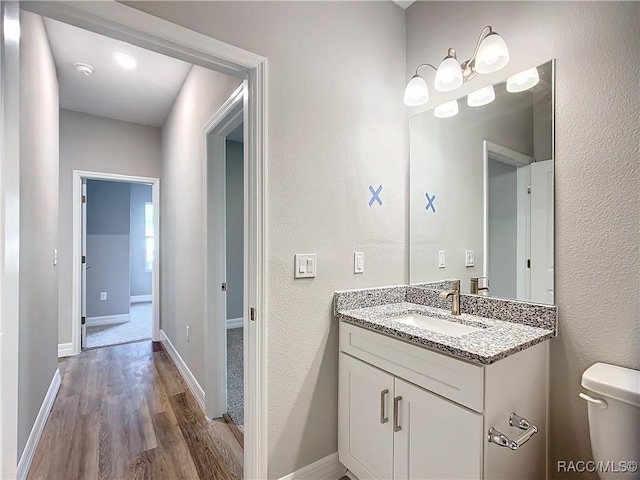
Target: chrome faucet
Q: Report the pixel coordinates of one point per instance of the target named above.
(454, 293)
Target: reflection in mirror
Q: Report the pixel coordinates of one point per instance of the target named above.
(482, 190)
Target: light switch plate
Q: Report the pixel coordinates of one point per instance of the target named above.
(306, 265)
(358, 262)
(469, 258)
(103, 295)
(441, 259)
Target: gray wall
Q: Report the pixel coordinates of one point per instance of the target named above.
(140, 279)
(235, 228)
(182, 216)
(108, 207)
(447, 161)
(38, 325)
(96, 144)
(597, 151)
(336, 125)
(503, 228)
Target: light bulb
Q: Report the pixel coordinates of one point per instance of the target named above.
(417, 92)
(446, 110)
(481, 97)
(493, 54)
(523, 80)
(448, 75)
(125, 60)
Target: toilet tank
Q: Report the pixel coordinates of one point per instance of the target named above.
(614, 424)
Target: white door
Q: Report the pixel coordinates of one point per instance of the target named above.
(542, 232)
(435, 438)
(84, 266)
(365, 411)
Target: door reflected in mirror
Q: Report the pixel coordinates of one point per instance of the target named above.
(482, 192)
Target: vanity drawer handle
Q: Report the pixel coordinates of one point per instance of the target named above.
(396, 408)
(383, 407)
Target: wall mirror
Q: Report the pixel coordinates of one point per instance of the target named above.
(482, 190)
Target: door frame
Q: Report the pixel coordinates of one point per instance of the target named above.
(519, 160)
(9, 234)
(222, 123)
(125, 23)
(76, 249)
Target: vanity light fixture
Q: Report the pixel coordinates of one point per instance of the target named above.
(446, 110)
(491, 54)
(416, 92)
(481, 97)
(523, 80)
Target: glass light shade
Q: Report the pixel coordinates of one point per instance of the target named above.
(417, 92)
(448, 75)
(523, 80)
(492, 55)
(446, 110)
(481, 97)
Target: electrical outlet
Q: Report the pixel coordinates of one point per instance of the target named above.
(188, 333)
(441, 259)
(358, 262)
(103, 295)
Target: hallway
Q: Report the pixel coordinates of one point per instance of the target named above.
(124, 412)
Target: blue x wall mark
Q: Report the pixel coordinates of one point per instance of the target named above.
(430, 204)
(375, 195)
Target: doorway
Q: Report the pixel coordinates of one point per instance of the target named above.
(225, 218)
(125, 23)
(234, 248)
(119, 239)
(507, 222)
(106, 309)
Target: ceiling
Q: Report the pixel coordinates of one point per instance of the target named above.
(143, 94)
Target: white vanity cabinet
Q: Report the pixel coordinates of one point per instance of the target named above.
(407, 412)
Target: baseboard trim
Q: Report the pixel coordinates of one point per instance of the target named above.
(38, 426)
(235, 323)
(140, 298)
(65, 350)
(188, 377)
(108, 320)
(327, 468)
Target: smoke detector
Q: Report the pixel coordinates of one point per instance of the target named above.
(84, 68)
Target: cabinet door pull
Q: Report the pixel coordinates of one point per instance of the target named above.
(396, 408)
(383, 406)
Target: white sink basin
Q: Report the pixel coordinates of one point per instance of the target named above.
(437, 325)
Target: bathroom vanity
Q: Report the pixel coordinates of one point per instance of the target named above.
(424, 393)
(420, 402)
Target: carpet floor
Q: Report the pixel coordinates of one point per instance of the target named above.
(138, 328)
(235, 377)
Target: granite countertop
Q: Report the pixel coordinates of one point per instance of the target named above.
(497, 339)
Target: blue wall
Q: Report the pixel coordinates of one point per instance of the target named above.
(108, 206)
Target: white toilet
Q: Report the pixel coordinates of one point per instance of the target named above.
(614, 418)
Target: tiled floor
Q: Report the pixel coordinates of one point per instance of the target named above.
(140, 327)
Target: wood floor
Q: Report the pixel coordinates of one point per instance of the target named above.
(124, 412)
